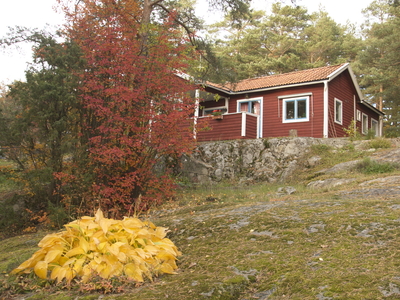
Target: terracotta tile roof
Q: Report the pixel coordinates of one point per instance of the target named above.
(296, 77)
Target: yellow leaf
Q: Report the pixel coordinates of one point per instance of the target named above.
(150, 224)
(52, 255)
(83, 243)
(152, 250)
(49, 240)
(114, 248)
(102, 246)
(86, 271)
(141, 241)
(121, 257)
(167, 268)
(61, 274)
(144, 234)
(104, 224)
(41, 269)
(69, 262)
(140, 252)
(98, 216)
(55, 272)
(69, 275)
(97, 259)
(78, 266)
(62, 260)
(74, 226)
(75, 251)
(160, 232)
(131, 224)
(133, 272)
(31, 262)
(104, 270)
(164, 255)
(26, 264)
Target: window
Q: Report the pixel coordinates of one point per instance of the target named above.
(251, 106)
(209, 111)
(338, 111)
(358, 115)
(364, 124)
(295, 109)
(375, 126)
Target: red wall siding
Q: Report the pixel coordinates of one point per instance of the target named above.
(229, 128)
(251, 127)
(272, 111)
(341, 88)
(369, 113)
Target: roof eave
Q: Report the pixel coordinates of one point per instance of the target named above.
(372, 107)
(267, 88)
(218, 89)
(338, 71)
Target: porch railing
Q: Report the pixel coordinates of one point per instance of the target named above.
(231, 126)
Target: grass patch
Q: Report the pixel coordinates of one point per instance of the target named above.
(290, 248)
(369, 166)
(248, 242)
(380, 143)
(328, 157)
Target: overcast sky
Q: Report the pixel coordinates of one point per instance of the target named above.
(36, 14)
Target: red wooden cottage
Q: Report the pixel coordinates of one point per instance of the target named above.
(319, 103)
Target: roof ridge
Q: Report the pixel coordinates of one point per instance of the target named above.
(268, 81)
(291, 72)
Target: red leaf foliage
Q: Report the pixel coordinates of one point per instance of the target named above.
(136, 100)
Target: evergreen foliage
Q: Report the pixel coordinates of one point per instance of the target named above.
(378, 62)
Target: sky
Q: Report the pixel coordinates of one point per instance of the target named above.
(36, 14)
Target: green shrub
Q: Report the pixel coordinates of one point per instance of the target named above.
(369, 166)
(392, 132)
(370, 134)
(352, 131)
(380, 143)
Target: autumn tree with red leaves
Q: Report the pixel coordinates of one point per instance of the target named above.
(136, 99)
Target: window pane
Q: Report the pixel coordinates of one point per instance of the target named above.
(375, 127)
(256, 107)
(338, 110)
(301, 109)
(365, 123)
(289, 110)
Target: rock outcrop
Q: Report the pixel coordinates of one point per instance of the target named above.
(247, 161)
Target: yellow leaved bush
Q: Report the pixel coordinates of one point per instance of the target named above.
(97, 246)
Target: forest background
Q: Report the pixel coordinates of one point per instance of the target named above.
(94, 125)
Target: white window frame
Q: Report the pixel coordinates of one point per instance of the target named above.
(295, 100)
(239, 102)
(260, 116)
(358, 115)
(373, 121)
(364, 126)
(340, 119)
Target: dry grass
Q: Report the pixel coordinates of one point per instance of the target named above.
(250, 243)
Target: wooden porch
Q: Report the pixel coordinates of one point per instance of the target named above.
(231, 126)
